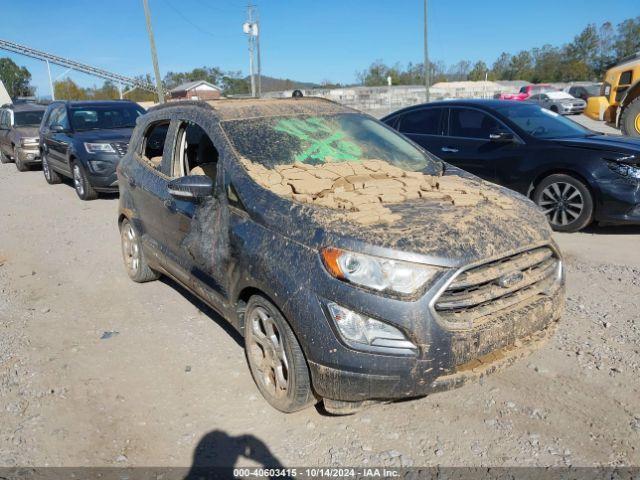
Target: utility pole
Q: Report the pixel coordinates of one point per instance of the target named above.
(53, 93)
(427, 69)
(258, 54)
(154, 54)
(252, 29)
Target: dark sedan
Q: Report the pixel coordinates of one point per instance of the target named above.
(574, 174)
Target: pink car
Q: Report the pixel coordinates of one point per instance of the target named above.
(526, 91)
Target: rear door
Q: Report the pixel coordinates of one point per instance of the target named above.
(425, 126)
(468, 145)
(147, 182)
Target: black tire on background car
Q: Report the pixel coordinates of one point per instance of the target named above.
(134, 262)
(276, 361)
(81, 183)
(630, 119)
(50, 175)
(554, 109)
(19, 165)
(566, 201)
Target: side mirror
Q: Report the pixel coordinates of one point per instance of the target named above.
(56, 128)
(502, 137)
(191, 187)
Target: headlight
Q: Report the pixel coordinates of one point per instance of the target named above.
(364, 330)
(29, 141)
(626, 170)
(377, 273)
(99, 148)
(98, 166)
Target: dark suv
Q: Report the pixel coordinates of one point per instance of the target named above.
(85, 141)
(356, 265)
(19, 134)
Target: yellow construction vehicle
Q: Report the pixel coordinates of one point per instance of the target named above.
(619, 100)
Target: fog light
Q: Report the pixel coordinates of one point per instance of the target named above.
(364, 330)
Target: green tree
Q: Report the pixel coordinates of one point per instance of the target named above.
(479, 71)
(548, 62)
(67, 89)
(15, 79)
(627, 39)
(500, 68)
(521, 67)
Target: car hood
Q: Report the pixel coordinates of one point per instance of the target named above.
(448, 234)
(105, 135)
(25, 132)
(607, 143)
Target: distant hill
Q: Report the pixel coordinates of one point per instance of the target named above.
(272, 84)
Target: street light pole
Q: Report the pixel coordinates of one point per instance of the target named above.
(427, 69)
(53, 93)
(154, 54)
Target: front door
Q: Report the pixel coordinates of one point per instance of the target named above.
(56, 140)
(468, 144)
(195, 230)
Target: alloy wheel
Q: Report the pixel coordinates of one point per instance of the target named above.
(267, 353)
(130, 249)
(78, 181)
(562, 203)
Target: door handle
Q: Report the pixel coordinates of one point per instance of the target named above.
(449, 149)
(170, 205)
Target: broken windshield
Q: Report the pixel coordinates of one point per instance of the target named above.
(316, 140)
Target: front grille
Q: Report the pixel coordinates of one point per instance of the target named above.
(477, 293)
(120, 148)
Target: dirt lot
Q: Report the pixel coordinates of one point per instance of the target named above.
(74, 392)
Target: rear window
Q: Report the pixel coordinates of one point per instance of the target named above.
(316, 140)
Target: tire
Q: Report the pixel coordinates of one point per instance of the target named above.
(630, 119)
(81, 184)
(4, 158)
(50, 175)
(554, 109)
(566, 201)
(275, 358)
(134, 262)
(19, 165)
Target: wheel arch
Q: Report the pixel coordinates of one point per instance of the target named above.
(242, 299)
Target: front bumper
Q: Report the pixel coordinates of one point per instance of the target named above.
(619, 201)
(455, 359)
(571, 109)
(105, 180)
(29, 155)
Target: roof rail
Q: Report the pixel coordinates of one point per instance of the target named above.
(185, 103)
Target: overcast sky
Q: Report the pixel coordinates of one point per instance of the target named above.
(307, 40)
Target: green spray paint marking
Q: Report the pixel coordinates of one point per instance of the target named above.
(324, 141)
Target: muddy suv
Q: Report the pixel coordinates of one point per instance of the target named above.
(356, 266)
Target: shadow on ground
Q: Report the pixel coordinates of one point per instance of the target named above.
(217, 453)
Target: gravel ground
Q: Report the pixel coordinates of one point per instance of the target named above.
(98, 371)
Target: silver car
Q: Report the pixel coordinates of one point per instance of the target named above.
(559, 102)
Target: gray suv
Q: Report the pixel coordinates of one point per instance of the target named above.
(19, 134)
(356, 265)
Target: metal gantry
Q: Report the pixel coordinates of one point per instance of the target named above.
(77, 66)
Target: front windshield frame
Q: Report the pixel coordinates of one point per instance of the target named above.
(17, 115)
(416, 159)
(567, 128)
(98, 109)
